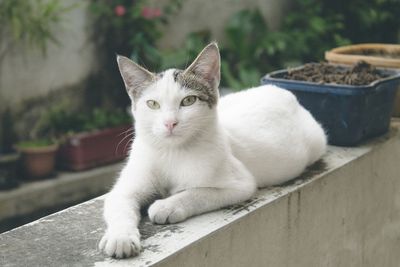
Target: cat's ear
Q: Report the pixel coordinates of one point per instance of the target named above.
(136, 78)
(207, 65)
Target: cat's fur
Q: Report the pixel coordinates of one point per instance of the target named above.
(204, 156)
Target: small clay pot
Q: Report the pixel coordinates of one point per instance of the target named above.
(38, 162)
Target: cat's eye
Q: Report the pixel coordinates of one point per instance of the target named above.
(153, 104)
(188, 101)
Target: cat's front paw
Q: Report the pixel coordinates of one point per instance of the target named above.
(120, 244)
(166, 211)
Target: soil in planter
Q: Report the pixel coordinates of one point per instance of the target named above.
(360, 74)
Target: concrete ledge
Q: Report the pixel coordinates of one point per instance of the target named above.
(343, 211)
(43, 197)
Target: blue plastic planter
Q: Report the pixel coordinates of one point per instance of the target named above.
(349, 114)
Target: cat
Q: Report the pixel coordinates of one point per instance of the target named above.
(199, 152)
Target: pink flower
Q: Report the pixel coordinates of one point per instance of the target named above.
(151, 13)
(157, 13)
(119, 10)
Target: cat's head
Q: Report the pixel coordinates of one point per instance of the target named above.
(174, 106)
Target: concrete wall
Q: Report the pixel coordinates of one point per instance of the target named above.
(27, 73)
(349, 217)
(342, 211)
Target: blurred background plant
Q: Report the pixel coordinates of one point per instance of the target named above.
(309, 29)
(130, 28)
(248, 48)
(60, 122)
(27, 25)
(30, 23)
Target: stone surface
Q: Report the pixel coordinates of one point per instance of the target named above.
(343, 211)
(43, 196)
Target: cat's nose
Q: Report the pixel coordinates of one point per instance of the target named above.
(170, 124)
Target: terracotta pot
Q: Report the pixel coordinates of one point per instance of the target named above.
(378, 55)
(87, 150)
(38, 162)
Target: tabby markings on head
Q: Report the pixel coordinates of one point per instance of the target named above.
(191, 81)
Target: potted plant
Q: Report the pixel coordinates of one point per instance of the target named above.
(378, 55)
(352, 103)
(38, 157)
(91, 139)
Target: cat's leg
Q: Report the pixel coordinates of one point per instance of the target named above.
(122, 213)
(234, 183)
(195, 201)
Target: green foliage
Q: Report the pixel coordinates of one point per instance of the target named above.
(315, 26)
(36, 143)
(59, 121)
(100, 119)
(252, 50)
(31, 22)
(245, 35)
(180, 58)
(131, 28)
(307, 31)
(366, 20)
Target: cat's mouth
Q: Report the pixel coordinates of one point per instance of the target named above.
(171, 135)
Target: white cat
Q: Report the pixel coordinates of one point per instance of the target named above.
(200, 153)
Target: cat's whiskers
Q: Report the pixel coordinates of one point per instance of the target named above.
(129, 135)
(124, 132)
(128, 144)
